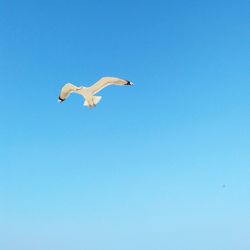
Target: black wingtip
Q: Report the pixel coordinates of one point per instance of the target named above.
(129, 83)
(60, 99)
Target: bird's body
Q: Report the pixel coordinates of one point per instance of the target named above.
(88, 93)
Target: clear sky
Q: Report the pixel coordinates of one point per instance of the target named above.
(161, 165)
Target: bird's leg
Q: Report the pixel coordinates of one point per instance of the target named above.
(93, 102)
(90, 100)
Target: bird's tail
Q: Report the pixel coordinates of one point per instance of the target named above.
(96, 100)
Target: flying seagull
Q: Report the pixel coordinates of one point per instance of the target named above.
(89, 92)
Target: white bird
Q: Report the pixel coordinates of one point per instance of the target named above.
(89, 92)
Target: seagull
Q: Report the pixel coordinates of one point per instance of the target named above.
(88, 93)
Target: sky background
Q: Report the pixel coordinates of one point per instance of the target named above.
(164, 164)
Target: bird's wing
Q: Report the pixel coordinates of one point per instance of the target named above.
(66, 90)
(106, 81)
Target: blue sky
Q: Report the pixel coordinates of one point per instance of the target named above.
(161, 165)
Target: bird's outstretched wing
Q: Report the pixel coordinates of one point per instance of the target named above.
(106, 81)
(66, 90)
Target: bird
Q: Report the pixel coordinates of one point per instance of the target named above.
(88, 93)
